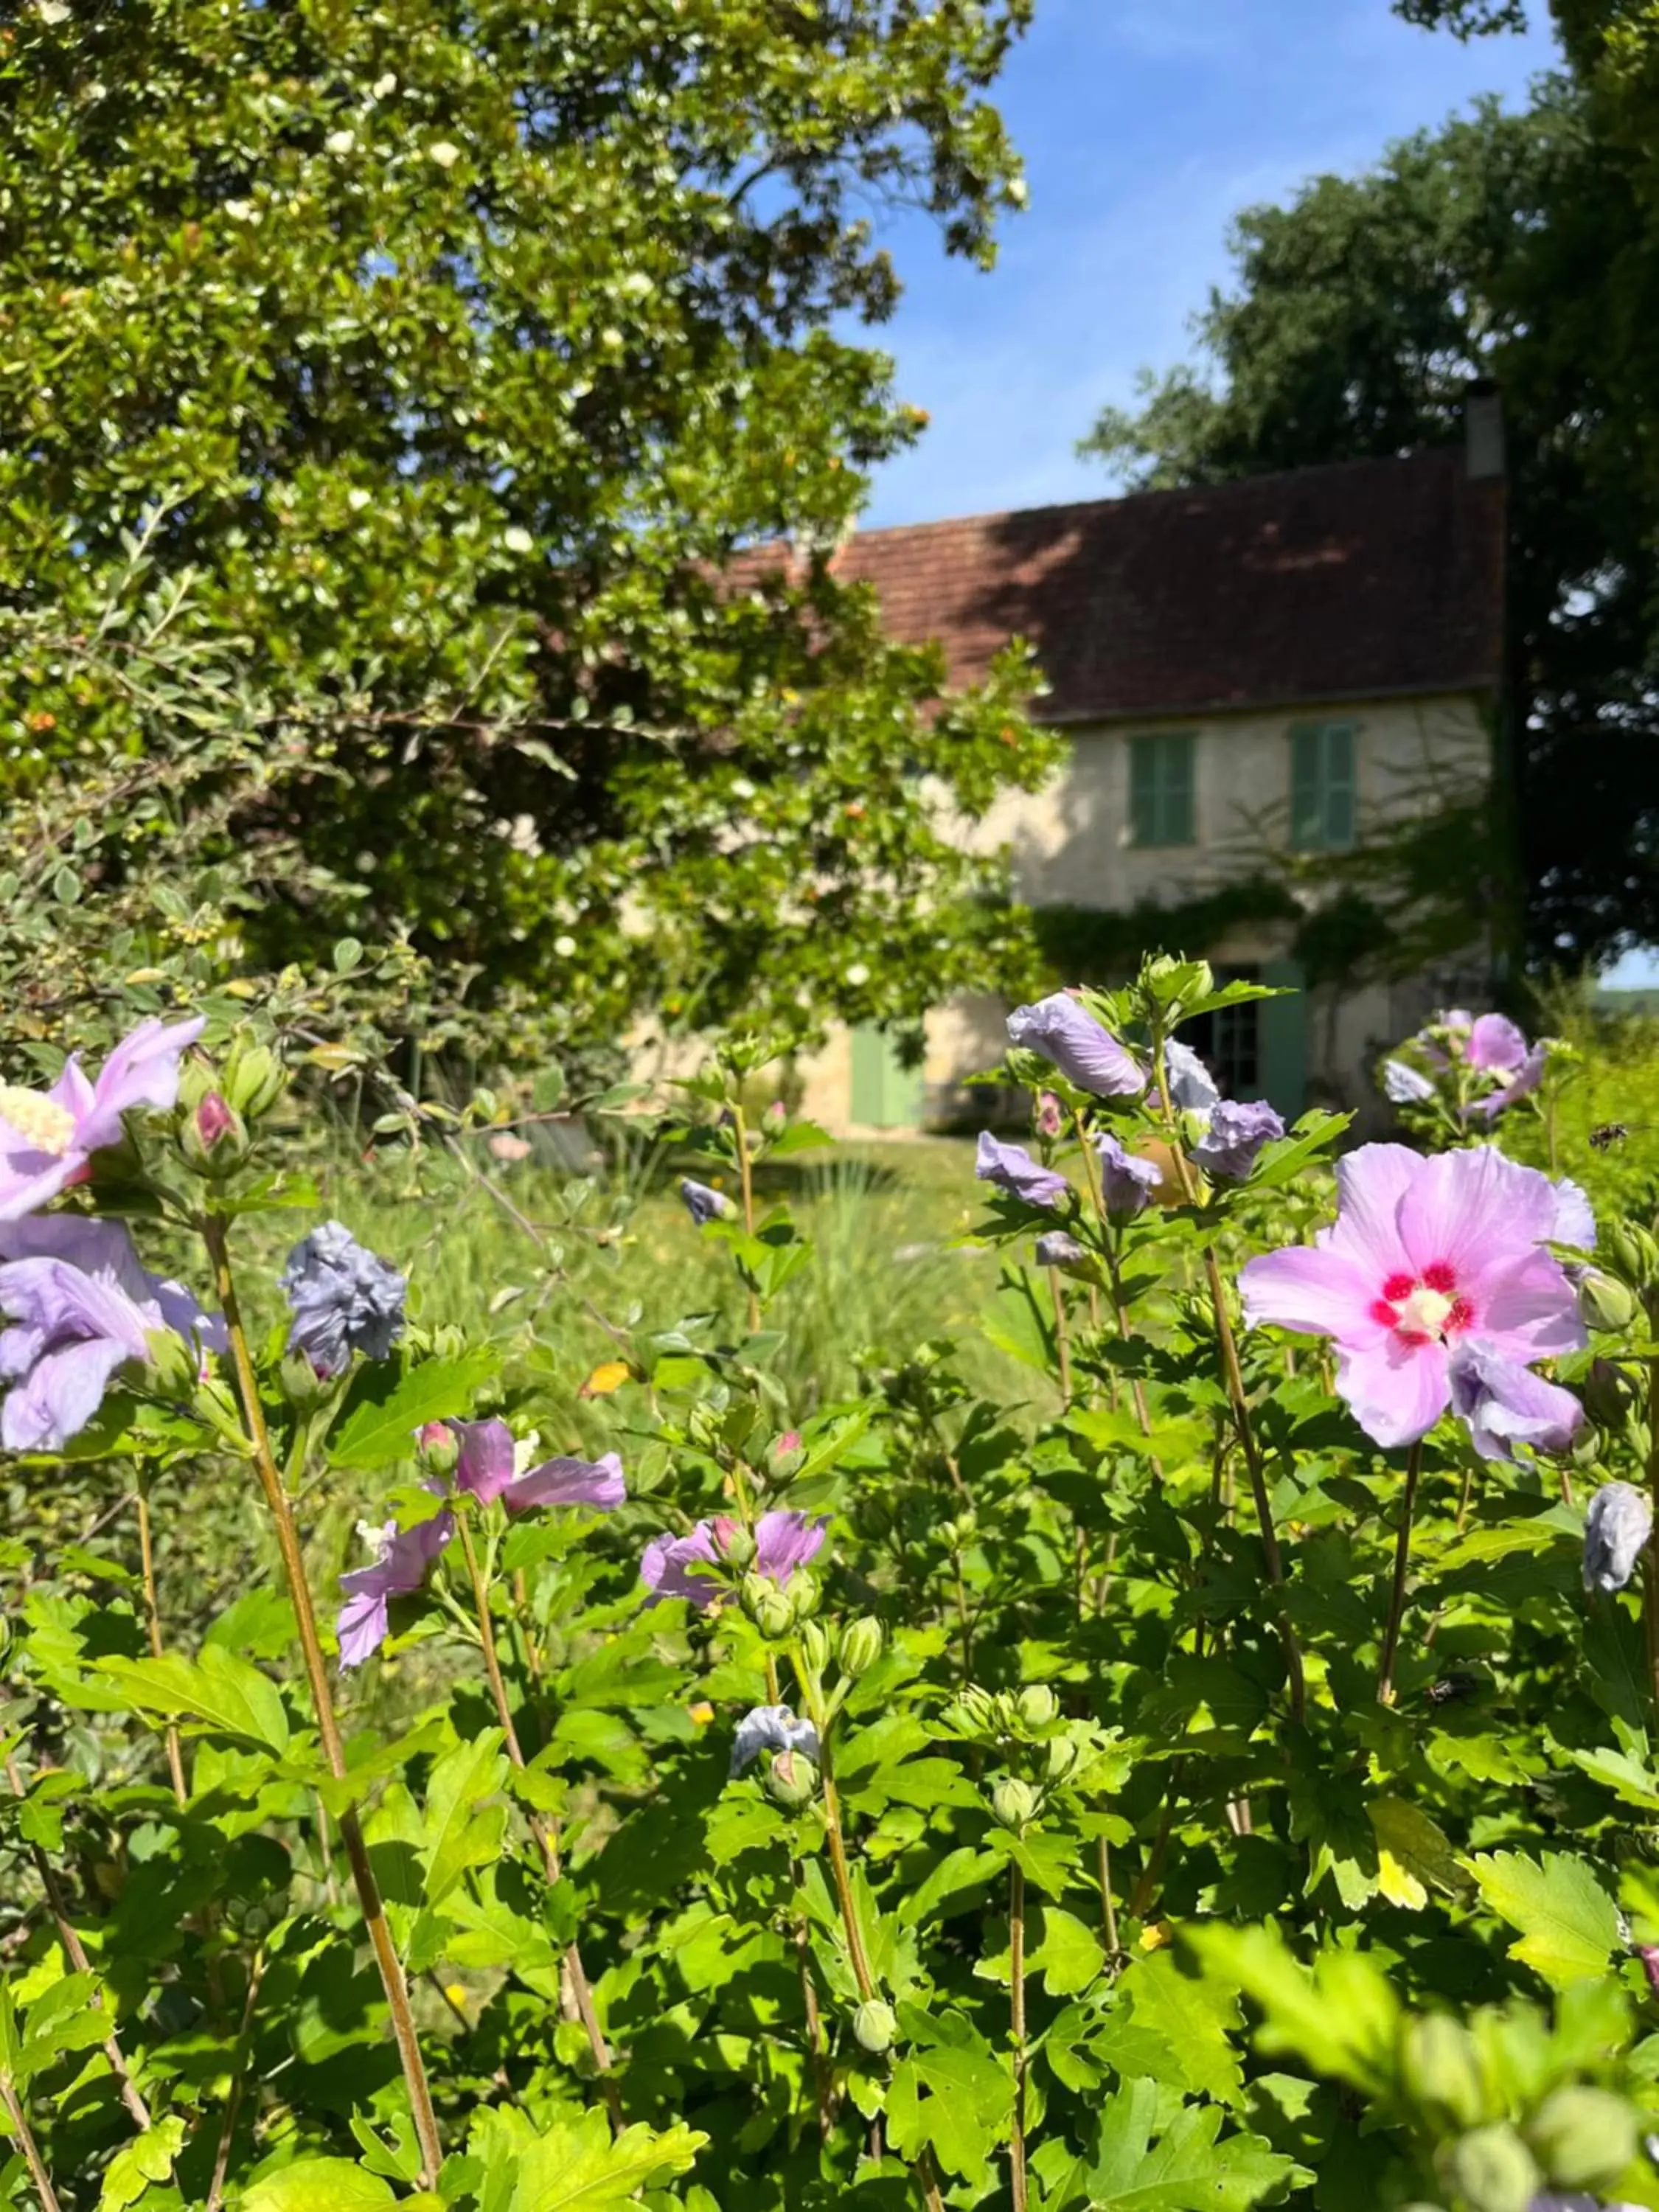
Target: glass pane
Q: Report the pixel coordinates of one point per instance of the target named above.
(1307, 789)
(1143, 791)
(1338, 787)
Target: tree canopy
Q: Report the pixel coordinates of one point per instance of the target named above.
(443, 356)
(1516, 248)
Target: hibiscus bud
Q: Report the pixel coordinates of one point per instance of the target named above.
(874, 2027)
(253, 1079)
(803, 1593)
(302, 1386)
(860, 1646)
(1013, 1804)
(213, 1138)
(786, 1457)
(775, 1118)
(174, 1367)
(1065, 1757)
(740, 1549)
(791, 1781)
(438, 1447)
(1605, 1303)
(814, 1646)
(973, 1711)
(1494, 2170)
(1633, 1253)
(768, 1607)
(1440, 2067)
(1649, 1954)
(1583, 2137)
(1050, 1116)
(1604, 1395)
(1036, 1705)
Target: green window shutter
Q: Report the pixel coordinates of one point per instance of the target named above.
(1307, 809)
(885, 1094)
(1322, 783)
(1284, 1038)
(1338, 787)
(1161, 789)
(1143, 791)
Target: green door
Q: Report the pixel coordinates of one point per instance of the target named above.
(884, 1094)
(1284, 1035)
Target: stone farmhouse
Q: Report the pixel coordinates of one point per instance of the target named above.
(1291, 665)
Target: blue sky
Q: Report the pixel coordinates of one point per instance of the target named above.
(1145, 125)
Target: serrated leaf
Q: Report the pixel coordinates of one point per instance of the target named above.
(579, 2168)
(319, 2184)
(1414, 1854)
(1195, 2015)
(1068, 1955)
(135, 2165)
(1187, 2170)
(380, 1427)
(458, 1835)
(1569, 1924)
(958, 2100)
(219, 1691)
(1630, 1778)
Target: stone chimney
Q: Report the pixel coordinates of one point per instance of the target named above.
(1483, 430)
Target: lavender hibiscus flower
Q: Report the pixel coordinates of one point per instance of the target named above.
(1126, 1182)
(672, 1565)
(704, 1205)
(1237, 1132)
(1012, 1169)
(400, 1567)
(1068, 1036)
(1506, 1404)
(1617, 1526)
(47, 1138)
(487, 1468)
(771, 1728)
(82, 1306)
(1192, 1087)
(343, 1300)
(1424, 1252)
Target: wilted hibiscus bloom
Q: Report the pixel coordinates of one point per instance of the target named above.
(487, 1468)
(343, 1299)
(771, 1728)
(1506, 1404)
(47, 1138)
(1423, 1254)
(673, 1565)
(1068, 1036)
(1012, 1169)
(81, 1306)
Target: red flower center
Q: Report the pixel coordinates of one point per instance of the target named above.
(1425, 1309)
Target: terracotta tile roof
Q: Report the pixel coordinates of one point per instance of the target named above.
(1361, 580)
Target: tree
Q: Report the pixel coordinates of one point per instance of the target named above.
(1508, 248)
(444, 355)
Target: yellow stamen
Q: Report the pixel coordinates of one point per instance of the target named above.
(1426, 1311)
(41, 1122)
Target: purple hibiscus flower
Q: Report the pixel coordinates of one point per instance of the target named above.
(1012, 1169)
(704, 1205)
(1237, 1132)
(343, 1299)
(81, 1305)
(1506, 1404)
(1404, 1085)
(1126, 1182)
(48, 1137)
(487, 1468)
(1424, 1252)
(1192, 1087)
(1617, 1526)
(1521, 1084)
(1068, 1036)
(783, 1541)
(771, 1728)
(403, 1558)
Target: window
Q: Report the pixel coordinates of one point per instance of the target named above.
(1161, 789)
(1321, 787)
(1229, 1041)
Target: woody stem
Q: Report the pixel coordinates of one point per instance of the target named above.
(214, 1236)
(546, 1836)
(30, 2149)
(1401, 1560)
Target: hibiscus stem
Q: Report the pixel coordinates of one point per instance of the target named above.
(1403, 1551)
(1062, 1340)
(152, 1615)
(30, 2149)
(1233, 1376)
(1016, 2020)
(75, 1951)
(545, 1835)
(214, 1236)
(746, 1179)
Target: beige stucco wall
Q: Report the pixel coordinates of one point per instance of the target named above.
(1070, 845)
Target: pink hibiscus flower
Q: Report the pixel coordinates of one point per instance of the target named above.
(46, 1137)
(1423, 1254)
